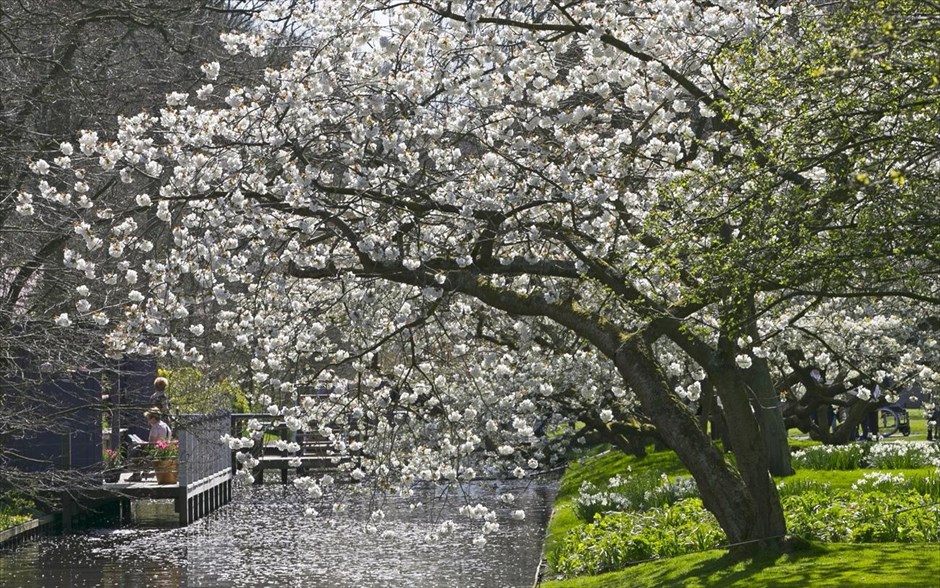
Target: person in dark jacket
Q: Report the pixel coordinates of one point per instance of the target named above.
(159, 399)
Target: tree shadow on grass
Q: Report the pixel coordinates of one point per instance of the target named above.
(802, 564)
(731, 569)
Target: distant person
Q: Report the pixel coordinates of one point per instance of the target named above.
(159, 399)
(870, 420)
(820, 380)
(933, 423)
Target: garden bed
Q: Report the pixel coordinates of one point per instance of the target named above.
(615, 512)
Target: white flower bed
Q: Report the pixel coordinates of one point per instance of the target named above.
(903, 454)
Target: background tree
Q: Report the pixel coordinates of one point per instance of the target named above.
(846, 257)
(66, 66)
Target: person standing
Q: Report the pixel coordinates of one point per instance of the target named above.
(159, 399)
(820, 380)
(933, 423)
(870, 421)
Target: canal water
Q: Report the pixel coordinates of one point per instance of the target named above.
(264, 538)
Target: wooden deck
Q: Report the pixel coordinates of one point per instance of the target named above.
(147, 487)
(191, 502)
(204, 478)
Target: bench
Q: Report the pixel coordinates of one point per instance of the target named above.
(140, 464)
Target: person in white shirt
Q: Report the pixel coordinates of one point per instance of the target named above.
(159, 431)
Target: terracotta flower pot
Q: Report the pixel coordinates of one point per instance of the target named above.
(167, 471)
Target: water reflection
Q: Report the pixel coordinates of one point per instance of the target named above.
(264, 539)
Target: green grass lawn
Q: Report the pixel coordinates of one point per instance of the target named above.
(918, 424)
(893, 565)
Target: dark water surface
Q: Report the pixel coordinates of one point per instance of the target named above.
(263, 539)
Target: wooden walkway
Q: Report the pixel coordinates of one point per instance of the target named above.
(309, 464)
(316, 454)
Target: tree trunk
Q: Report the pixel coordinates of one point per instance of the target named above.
(845, 432)
(747, 512)
(748, 442)
(765, 401)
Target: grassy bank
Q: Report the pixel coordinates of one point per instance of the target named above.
(824, 506)
(597, 466)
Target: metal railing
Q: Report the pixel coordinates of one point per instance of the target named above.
(201, 452)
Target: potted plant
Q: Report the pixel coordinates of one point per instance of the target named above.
(165, 455)
(113, 463)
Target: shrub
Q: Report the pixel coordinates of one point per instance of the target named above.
(906, 454)
(817, 515)
(591, 502)
(898, 455)
(863, 517)
(903, 517)
(926, 485)
(830, 457)
(670, 492)
(880, 482)
(923, 484)
(620, 539)
(15, 509)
